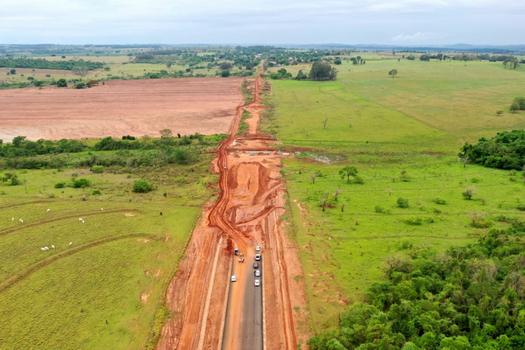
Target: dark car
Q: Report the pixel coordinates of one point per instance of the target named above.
(256, 265)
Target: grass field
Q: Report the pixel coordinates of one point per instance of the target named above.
(105, 276)
(403, 136)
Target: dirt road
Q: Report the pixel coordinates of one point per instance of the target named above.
(209, 312)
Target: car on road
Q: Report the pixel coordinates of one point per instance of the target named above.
(258, 248)
(234, 278)
(257, 257)
(257, 273)
(257, 282)
(256, 265)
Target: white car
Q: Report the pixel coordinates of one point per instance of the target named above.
(257, 273)
(234, 278)
(257, 257)
(258, 248)
(257, 282)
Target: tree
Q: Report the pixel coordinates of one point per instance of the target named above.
(338, 61)
(322, 71)
(225, 73)
(348, 172)
(393, 73)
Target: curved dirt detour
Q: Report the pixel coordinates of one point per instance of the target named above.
(207, 310)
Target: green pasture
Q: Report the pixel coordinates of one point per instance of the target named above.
(403, 135)
(102, 285)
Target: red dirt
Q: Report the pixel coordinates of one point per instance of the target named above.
(248, 211)
(121, 107)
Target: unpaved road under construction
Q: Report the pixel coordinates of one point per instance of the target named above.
(207, 311)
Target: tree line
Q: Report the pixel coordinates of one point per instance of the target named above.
(40, 63)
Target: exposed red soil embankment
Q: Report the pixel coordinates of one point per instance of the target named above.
(208, 312)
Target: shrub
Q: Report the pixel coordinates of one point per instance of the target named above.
(439, 201)
(521, 207)
(414, 221)
(402, 203)
(60, 185)
(80, 85)
(142, 186)
(468, 194)
(62, 83)
(80, 183)
(518, 104)
(97, 169)
(225, 73)
(478, 221)
(96, 193)
(404, 177)
(11, 179)
(380, 210)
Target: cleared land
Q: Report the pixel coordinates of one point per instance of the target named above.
(403, 136)
(140, 107)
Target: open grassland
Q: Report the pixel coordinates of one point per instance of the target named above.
(403, 136)
(114, 253)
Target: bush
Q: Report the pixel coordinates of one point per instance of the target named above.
(518, 104)
(80, 85)
(97, 169)
(281, 74)
(380, 210)
(439, 201)
(142, 186)
(96, 193)
(62, 83)
(60, 185)
(402, 203)
(414, 221)
(468, 194)
(80, 183)
(11, 179)
(478, 221)
(225, 73)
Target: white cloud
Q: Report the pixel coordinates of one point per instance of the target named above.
(417, 38)
(265, 21)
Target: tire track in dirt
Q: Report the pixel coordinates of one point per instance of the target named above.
(246, 212)
(10, 282)
(65, 217)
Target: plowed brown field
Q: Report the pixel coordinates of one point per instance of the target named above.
(121, 107)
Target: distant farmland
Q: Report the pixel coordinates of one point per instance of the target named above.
(142, 107)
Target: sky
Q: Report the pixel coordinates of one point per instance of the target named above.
(393, 22)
